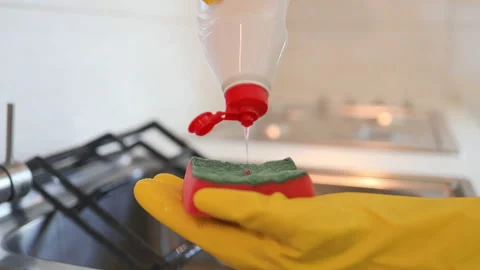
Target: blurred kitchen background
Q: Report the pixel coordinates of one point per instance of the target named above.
(78, 68)
(374, 96)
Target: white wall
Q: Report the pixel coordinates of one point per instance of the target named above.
(390, 49)
(424, 51)
(466, 53)
(77, 68)
(74, 73)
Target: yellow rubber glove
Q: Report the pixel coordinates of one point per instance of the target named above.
(338, 231)
(211, 2)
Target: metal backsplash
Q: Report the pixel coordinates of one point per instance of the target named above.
(375, 125)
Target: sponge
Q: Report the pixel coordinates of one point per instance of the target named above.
(274, 176)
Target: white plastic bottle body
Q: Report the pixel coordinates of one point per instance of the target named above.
(243, 40)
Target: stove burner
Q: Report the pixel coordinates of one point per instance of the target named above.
(90, 152)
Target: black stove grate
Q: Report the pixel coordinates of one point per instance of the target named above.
(89, 152)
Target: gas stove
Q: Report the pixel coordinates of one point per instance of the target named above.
(77, 209)
(81, 212)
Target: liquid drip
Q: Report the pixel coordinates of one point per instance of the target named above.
(247, 135)
(247, 172)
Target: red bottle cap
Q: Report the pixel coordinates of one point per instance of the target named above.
(245, 103)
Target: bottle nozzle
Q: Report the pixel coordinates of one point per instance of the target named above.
(247, 119)
(245, 103)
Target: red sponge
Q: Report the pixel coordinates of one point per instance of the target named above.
(275, 176)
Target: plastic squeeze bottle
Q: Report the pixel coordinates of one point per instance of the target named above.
(243, 41)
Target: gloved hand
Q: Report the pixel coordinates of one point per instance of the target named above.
(338, 231)
(210, 2)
